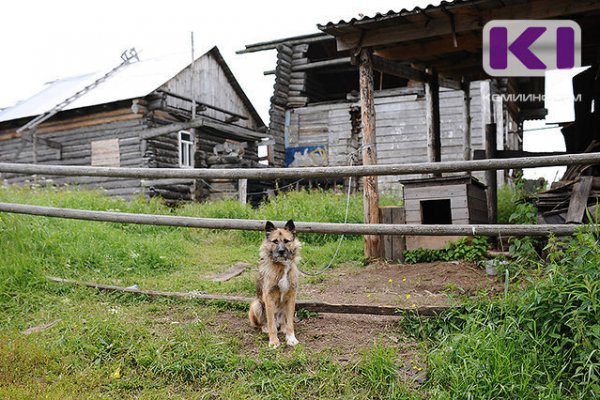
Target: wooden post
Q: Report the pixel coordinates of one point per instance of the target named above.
(466, 85)
(393, 246)
(369, 153)
(491, 178)
(432, 100)
(243, 191)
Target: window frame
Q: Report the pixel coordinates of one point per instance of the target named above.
(189, 146)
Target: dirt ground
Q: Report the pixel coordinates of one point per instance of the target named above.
(427, 284)
(406, 285)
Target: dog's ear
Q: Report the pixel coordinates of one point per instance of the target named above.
(290, 226)
(269, 227)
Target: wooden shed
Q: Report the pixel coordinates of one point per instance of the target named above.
(140, 115)
(316, 112)
(446, 200)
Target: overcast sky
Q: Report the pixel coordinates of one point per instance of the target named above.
(44, 40)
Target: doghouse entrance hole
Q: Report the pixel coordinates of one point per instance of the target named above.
(436, 212)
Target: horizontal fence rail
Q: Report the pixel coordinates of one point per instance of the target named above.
(304, 227)
(315, 306)
(307, 172)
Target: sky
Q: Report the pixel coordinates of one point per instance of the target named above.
(41, 41)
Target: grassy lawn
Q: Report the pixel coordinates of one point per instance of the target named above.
(539, 341)
(121, 346)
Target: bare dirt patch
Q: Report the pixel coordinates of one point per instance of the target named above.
(405, 285)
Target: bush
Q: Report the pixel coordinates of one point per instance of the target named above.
(466, 249)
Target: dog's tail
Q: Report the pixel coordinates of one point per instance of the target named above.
(256, 314)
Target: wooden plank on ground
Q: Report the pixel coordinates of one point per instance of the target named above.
(301, 304)
(235, 270)
(579, 198)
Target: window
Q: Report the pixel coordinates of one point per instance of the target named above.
(265, 152)
(436, 212)
(186, 149)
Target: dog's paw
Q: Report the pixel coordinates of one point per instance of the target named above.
(291, 340)
(274, 344)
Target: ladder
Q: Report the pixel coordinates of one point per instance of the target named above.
(27, 131)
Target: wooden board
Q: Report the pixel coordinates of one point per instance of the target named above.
(236, 270)
(579, 198)
(392, 246)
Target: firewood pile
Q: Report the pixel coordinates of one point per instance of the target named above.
(573, 199)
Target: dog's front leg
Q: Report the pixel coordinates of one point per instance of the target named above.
(271, 323)
(290, 309)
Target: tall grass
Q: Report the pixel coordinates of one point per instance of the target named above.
(538, 343)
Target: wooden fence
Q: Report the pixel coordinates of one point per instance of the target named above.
(305, 227)
(310, 172)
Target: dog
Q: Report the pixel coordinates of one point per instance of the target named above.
(275, 304)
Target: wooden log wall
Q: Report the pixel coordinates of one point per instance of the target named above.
(75, 137)
(279, 100)
(400, 127)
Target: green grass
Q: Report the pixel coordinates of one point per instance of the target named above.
(107, 346)
(541, 340)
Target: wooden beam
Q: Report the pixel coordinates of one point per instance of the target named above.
(243, 191)
(503, 154)
(396, 69)
(301, 172)
(491, 178)
(301, 227)
(579, 198)
(416, 51)
(466, 120)
(369, 152)
(235, 130)
(321, 64)
(166, 129)
(315, 306)
(202, 106)
(272, 45)
(468, 21)
(432, 104)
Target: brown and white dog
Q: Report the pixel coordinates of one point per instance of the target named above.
(273, 310)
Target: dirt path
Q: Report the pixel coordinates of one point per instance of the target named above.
(426, 284)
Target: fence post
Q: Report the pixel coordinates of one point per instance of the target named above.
(371, 195)
(491, 177)
(392, 246)
(243, 191)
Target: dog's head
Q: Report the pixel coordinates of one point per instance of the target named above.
(281, 244)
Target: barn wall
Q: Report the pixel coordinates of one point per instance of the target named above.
(400, 129)
(212, 87)
(76, 150)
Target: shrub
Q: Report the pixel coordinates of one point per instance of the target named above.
(467, 249)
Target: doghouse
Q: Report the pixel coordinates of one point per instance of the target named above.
(447, 200)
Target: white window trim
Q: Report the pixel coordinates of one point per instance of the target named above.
(189, 144)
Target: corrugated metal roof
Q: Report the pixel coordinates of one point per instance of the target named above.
(134, 80)
(391, 14)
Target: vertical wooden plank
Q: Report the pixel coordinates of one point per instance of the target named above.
(398, 217)
(467, 121)
(243, 191)
(432, 104)
(369, 153)
(579, 198)
(392, 246)
(491, 178)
